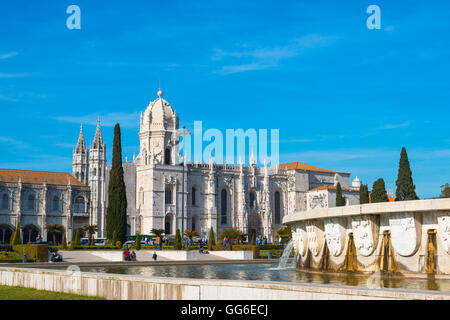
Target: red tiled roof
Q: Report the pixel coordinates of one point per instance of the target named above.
(302, 166)
(331, 188)
(38, 177)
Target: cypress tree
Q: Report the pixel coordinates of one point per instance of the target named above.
(76, 241)
(178, 240)
(16, 238)
(340, 202)
(364, 194)
(405, 186)
(64, 241)
(379, 193)
(137, 243)
(211, 239)
(116, 213)
(253, 240)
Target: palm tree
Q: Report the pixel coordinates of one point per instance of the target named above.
(54, 229)
(190, 233)
(91, 229)
(157, 232)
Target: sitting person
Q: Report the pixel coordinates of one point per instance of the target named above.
(56, 257)
(127, 255)
(133, 256)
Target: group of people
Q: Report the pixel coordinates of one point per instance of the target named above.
(129, 256)
(226, 243)
(261, 241)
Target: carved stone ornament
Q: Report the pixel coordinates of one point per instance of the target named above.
(335, 236)
(315, 238)
(405, 233)
(300, 240)
(365, 234)
(317, 201)
(444, 231)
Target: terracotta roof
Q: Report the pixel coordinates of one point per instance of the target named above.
(38, 177)
(391, 199)
(302, 166)
(332, 188)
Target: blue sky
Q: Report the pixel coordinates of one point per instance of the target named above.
(344, 97)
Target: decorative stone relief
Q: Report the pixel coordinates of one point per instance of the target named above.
(365, 234)
(444, 231)
(404, 233)
(335, 236)
(317, 201)
(300, 240)
(315, 238)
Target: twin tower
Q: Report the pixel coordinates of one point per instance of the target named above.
(90, 168)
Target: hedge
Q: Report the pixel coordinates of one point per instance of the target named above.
(6, 247)
(34, 252)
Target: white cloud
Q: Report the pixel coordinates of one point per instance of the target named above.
(396, 125)
(16, 75)
(8, 55)
(247, 57)
(126, 120)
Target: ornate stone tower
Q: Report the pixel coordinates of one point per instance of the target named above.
(158, 134)
(80, 163)
(97, 181)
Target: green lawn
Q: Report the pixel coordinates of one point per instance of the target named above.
(19, 293)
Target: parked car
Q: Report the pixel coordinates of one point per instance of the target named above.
(100, 241)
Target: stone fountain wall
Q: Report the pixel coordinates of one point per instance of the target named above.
(321, 237)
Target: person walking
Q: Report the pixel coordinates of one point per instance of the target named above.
(228, 242)
(224, 243)
(155, 256)
(157, 242)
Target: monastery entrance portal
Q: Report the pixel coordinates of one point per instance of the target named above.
(255, 228)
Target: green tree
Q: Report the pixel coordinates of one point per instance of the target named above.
(157, 232)
(16, 238)
(445, 191)
(137, 242)
(231, 233)
(190, 233)
(54, 229)
(405, 186)
(363, 194)
(340, 201)
(76, 241)
(64, 241)
(114, 238)
(379, 193)
(177, 240)
(91, 229)
(211, 239)
(253, 240)
(116, 213)
(285, 233)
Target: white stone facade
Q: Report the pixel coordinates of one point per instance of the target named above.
(163, 193)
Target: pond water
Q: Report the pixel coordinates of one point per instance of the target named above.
(270, 272)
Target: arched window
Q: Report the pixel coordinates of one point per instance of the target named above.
(194, 222)
(82, 176)
(277, 207)
(5, 233)
(168, 195)
(77, 175)
(79, 204)
(30, 204)
(30, 233)
(167, 156)
(55, 203)
(168, 224)
(252, 199)
(94, 172)
(223, 207)
(144, 155)
(193, 195)
(5, 201)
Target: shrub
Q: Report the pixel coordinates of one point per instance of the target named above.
(253, 241)
(118, 244)
(34, 252)
(177, 240)
(114, 238)
(16, 238)
(6, 247)
(76, 241)
(64, 242)
(137, 243)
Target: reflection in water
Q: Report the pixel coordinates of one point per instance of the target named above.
(267, 272)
